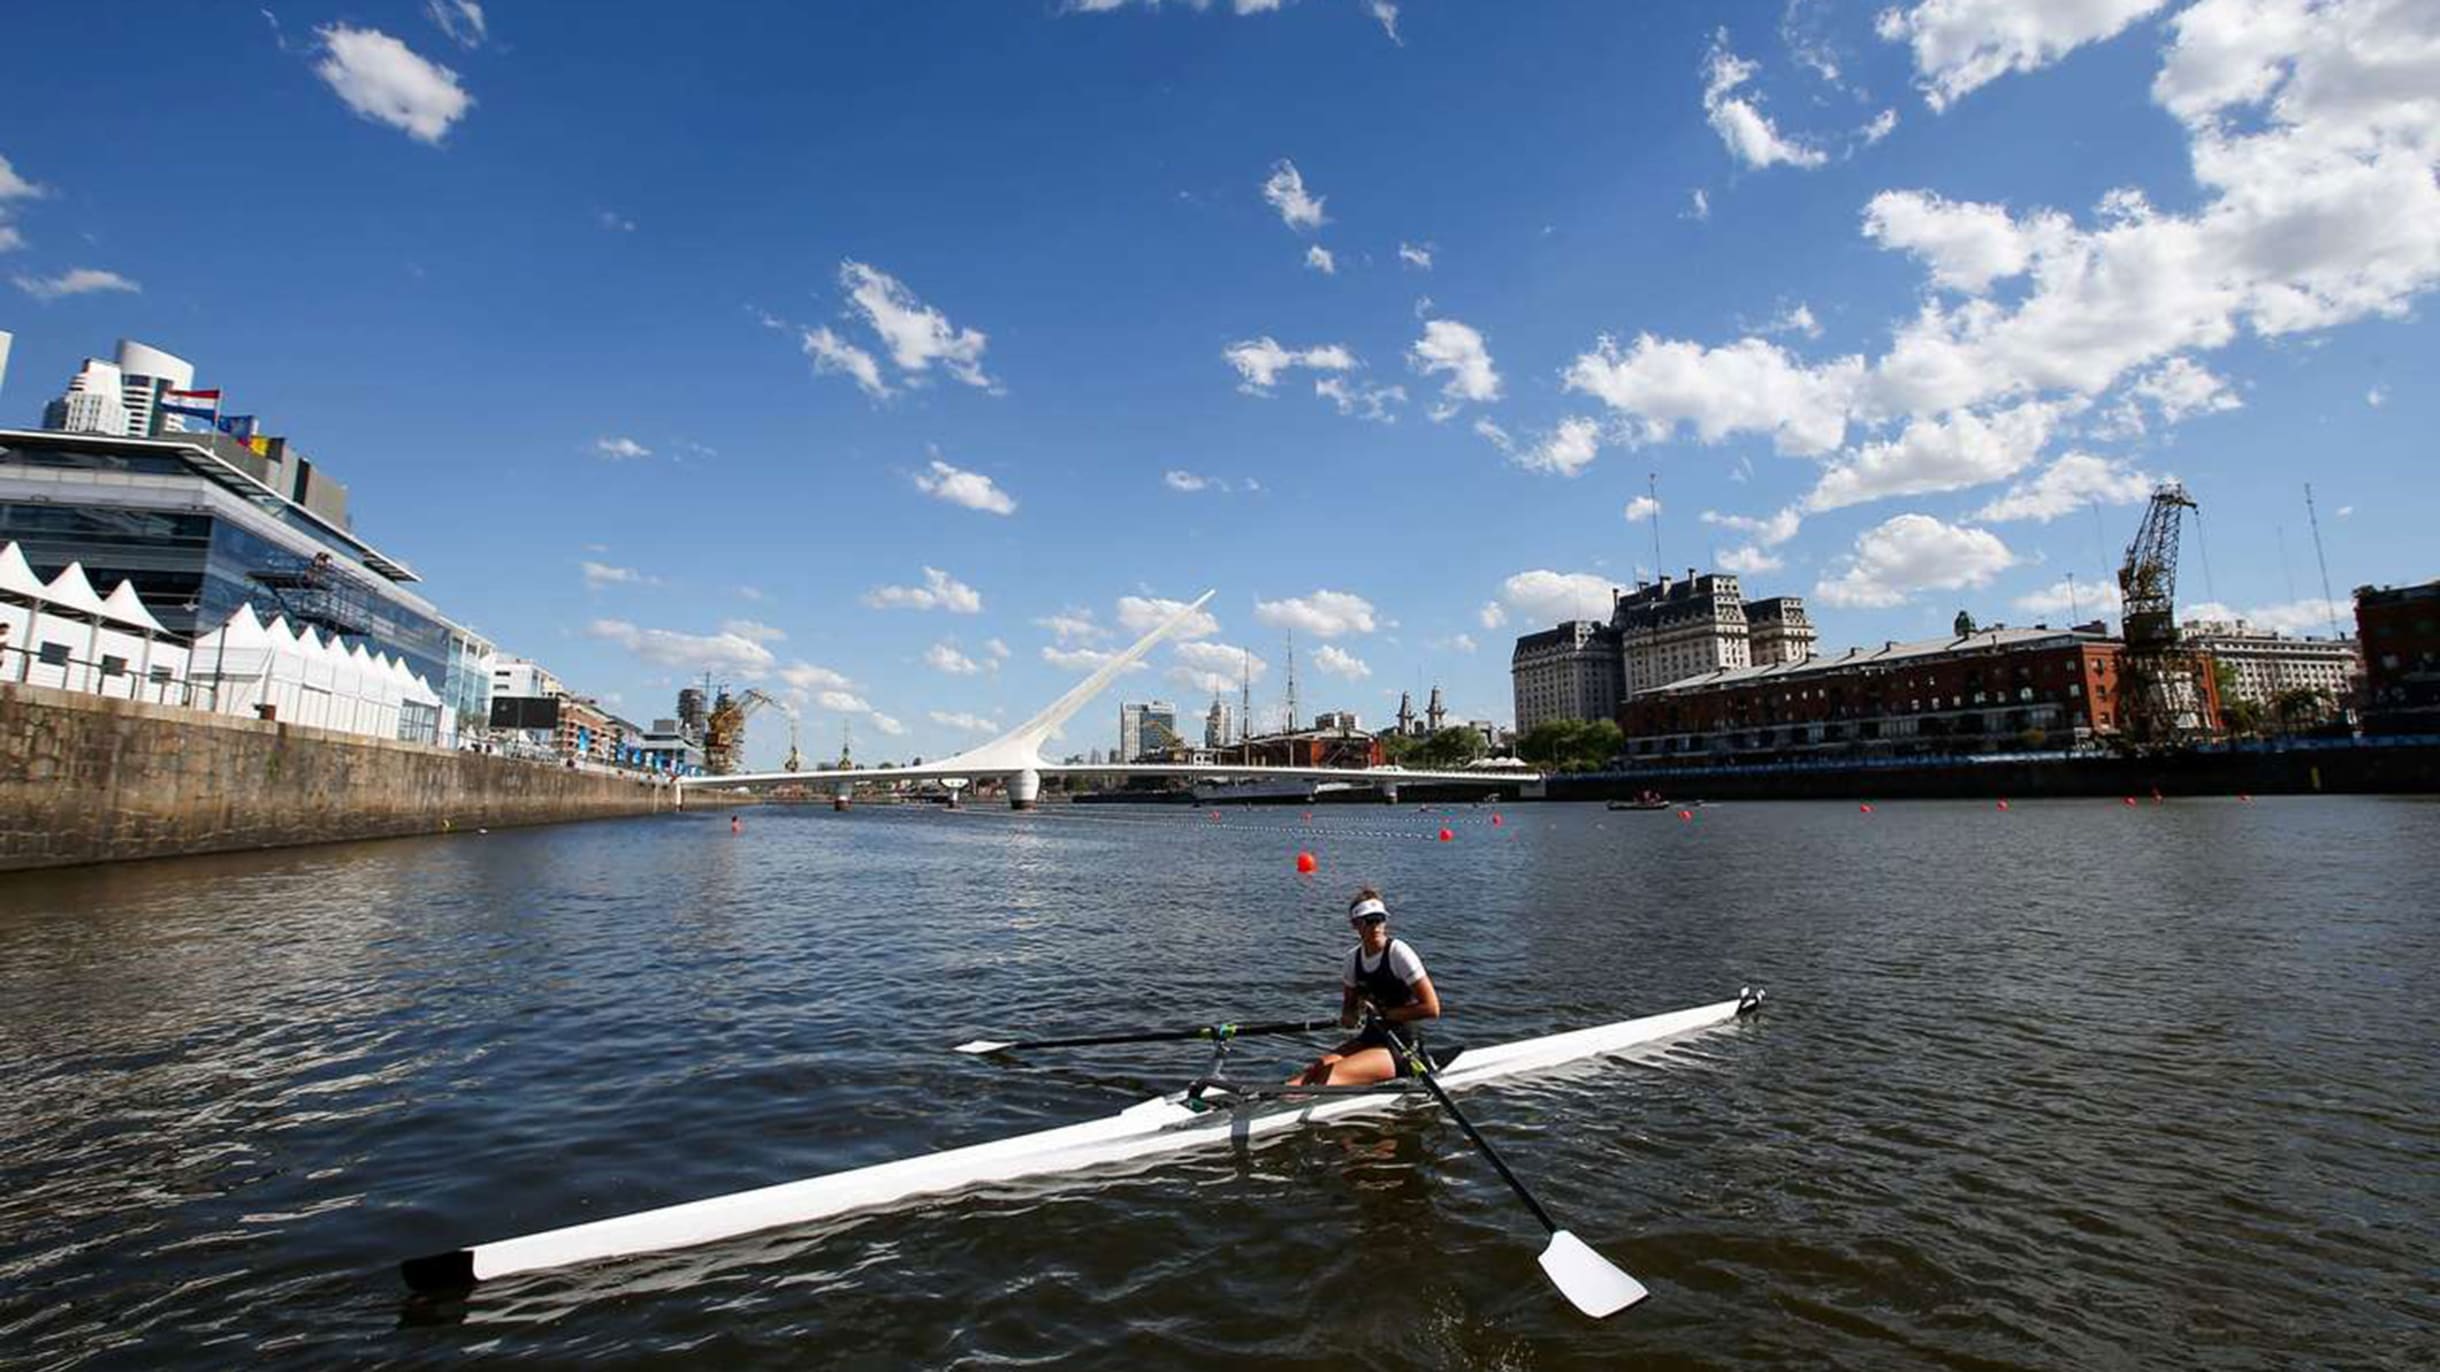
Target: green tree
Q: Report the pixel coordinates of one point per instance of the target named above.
(1597, 743)
(1550, 742)
(1448, 749)
(2305, 707)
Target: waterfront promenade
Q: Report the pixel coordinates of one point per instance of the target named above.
(2069, 1084)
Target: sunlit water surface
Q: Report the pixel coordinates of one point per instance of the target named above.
(2067, 1085)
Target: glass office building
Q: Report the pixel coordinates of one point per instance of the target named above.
(199, 536)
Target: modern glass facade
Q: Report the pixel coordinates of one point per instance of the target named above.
(198, 541)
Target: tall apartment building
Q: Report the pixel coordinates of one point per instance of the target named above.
(1146, 727)
(146, 375)
(1670, 630)
(1778, 630)
(1570, 672)
(93, 403)
(2264, 664)
(1217, 724)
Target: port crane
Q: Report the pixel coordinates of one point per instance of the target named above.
(2161, 693)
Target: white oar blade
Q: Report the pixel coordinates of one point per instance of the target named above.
(1587, 1279)
(981, 1046)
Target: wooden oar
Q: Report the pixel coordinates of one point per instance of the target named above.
(1591, 1282)
(1216, 1033)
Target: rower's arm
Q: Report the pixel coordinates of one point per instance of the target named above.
(1425, 1005)
(1351, 1006)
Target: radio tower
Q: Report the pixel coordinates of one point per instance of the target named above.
(1245, 695)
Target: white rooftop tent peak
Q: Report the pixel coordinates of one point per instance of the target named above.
(124, 606)
(71, 591)
(16, 576)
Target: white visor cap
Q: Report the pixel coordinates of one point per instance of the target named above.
(1371, 906)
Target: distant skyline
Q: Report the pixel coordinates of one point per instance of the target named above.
(905, 357)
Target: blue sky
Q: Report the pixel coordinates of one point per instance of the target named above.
(900, 355)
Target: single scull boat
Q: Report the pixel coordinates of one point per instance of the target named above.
(1211, 1112)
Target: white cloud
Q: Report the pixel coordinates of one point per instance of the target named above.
(2377, 396)
(1387, 15)
(13, 187)
(1142, 614)
(753, 629)
(77, 281)
(1319, 258)
(1746, 561)
(1082, 659)
(620, 448)
(943, 657)
(1073, 626)
(1332, 661)
(1797, 318)
(1260, 361)
(1749, 386)
(845, 702)
(1768, 531)
(915, 334)
(2067, 485)
(1323, 614)
(971, 723)
(1546, 597)
(1459, 643)
(1418, 257)
(1492, 615)
(940, 591)
(2178, 389)
(1285, 190)
(1963, 44)
(1567, 449)
(743, 592)
(2083, 599)
(600, 574)
(887, 724)
(803, 678)
(1215, 668)
(1882, 125)
(997, 649)
(1361, 400)
(462, 20)
(1698, 206)
(1749, 134)
(1641, 508)
(723, 654)
(2311, 616)
(957, 486)
(1968, 245)
(1178, 479)
(1450, 347)
(1945, 453)
(614, 221)
(1913, 553)
(831, 353)
(383, 80)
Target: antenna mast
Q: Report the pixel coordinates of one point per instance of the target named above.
(1245, 694)
(2328, 604)
(1291, 683)
(1652, 488)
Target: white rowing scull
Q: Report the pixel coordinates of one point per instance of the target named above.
(1209, 1113)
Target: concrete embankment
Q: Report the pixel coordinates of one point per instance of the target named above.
(89, 779)
(2371, 768)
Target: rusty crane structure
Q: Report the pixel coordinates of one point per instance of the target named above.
(2163, 695)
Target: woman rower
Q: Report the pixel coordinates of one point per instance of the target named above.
(1383, 976)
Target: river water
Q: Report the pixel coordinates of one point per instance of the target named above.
(2068, 1085)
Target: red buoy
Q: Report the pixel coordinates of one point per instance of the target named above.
(736, 825)
(1447, 837)
(2130, 800)
(1308, 817)
(2246, 798)
(1685, 814)
(1865, 808)
(2003, 805)
(1495, 820)
(1305, 863)
(1215, 814)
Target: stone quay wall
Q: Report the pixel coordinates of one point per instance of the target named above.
(86, 778)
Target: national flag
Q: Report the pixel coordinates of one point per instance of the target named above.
(236, 425)
(198, 404)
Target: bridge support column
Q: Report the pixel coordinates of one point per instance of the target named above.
(1389, 793)
(841, 793)
(1024, 788)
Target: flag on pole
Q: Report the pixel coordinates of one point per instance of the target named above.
(236, 425)
(196, 404)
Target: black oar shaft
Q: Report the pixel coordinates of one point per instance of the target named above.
(1431, 1082)
(1207, 1032)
